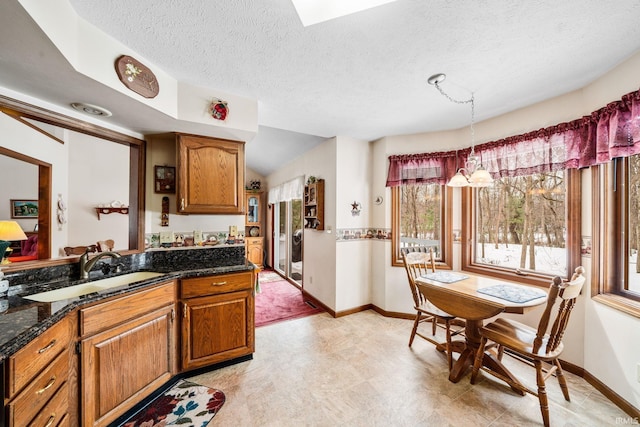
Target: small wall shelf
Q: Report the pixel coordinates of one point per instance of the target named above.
(109, 210)
(314, 205)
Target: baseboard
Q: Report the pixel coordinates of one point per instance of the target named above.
(614, 397)
(308, 297)
(353, 310)
(395, 314)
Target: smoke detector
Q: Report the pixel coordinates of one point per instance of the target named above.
(92, 110)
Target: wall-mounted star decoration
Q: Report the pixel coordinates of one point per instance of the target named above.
(355, 208)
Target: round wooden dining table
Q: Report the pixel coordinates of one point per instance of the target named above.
(461, 298)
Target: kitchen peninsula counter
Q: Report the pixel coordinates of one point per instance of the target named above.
(22, 320)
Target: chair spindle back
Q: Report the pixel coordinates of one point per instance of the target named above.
(567, 292)
(417, 264)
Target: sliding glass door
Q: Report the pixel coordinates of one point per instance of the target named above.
(288, 233)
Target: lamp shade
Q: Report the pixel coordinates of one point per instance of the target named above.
(10, 230)
(458, 180)
(480, 178)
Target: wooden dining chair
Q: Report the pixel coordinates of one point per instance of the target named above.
(105, 245)
(79, 250)
(417, 264)
(535, 346)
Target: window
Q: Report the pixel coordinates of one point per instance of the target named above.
(521, 226)
(631, 228)
(421, 219)
(616, 219)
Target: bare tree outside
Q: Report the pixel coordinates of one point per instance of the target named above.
(521, 223)
(420, 222)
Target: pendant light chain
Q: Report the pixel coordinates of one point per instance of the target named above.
(473, 112)
(473, 173)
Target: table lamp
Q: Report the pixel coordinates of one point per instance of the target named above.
(9, 231)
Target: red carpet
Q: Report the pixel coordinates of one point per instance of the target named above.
(280, 300)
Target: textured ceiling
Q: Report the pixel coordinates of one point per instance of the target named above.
(364, 75)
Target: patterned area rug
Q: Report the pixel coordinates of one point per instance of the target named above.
(185, 404)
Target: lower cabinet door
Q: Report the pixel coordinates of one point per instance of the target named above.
(124, 364)
(217, 328)
(254, 251)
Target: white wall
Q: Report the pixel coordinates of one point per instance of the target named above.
(353, 258)
(86, 172)
(319, 248)
(98, 175)
(22, 139)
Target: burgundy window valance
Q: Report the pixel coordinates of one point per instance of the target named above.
(610, 132)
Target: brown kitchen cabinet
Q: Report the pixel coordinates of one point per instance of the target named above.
(254, 227)
(210, 175)
(128, 350)
(254, 250)
(41, 384)
(217, 318)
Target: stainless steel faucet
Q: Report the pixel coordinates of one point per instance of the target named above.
(86, 265)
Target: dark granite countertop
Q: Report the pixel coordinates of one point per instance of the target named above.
(22, 319)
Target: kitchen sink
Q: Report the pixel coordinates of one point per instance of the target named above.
(94, 286)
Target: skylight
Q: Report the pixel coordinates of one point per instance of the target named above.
(315, 11)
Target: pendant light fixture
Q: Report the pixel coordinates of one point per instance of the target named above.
(473, 174)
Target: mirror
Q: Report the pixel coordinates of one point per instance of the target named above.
(83, 167)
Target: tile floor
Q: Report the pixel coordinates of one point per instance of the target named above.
(357, 370)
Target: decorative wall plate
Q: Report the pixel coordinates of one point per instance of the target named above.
(254, 231)
(137, 77)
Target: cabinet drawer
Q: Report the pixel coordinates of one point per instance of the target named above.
(35, 356)
(108, 314)
(199, 286)
(46, 385)
(253, 240)
(55, 412)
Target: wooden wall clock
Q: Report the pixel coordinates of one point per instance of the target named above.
(137, 77)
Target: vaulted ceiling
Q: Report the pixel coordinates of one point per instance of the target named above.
(362, 75)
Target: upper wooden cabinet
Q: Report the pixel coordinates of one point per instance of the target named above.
(210, 175)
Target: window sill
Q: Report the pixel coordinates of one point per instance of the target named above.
(620, 303)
